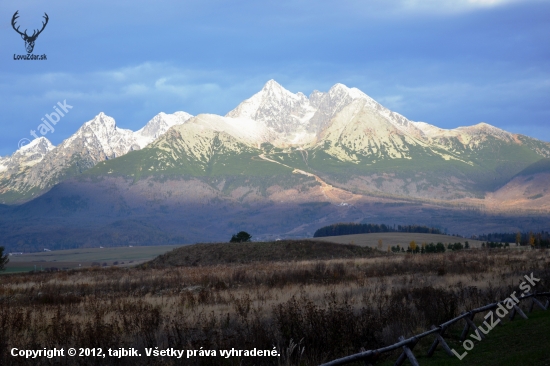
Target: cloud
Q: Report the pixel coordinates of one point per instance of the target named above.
(452, 4)
(390, 8)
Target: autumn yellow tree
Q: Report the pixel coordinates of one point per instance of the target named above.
(412, 246)
(518, 238)
(380, 243)
(531, 240)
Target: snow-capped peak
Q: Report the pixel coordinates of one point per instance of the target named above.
(280, 110)
(483, 127)
(102, 135)
(40, 144)
(158, 125)
(27, 156)
(354, 93)
(480, 128)
(272, 94)
(273, 85)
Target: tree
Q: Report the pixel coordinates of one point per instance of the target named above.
(518, 238)
(380, 244)
(3, 259)
(531, 240)
(412, 246)
(241, 237)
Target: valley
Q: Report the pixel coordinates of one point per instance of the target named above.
(312, 301)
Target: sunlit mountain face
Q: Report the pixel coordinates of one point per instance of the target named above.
(280, 162)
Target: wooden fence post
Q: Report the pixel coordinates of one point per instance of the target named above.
(407, 353)
(531, 305)
(408, 344)
(465, 330)
(470, 324)
(515, 310)
(473, 325)
(539, 304)
(439, 339)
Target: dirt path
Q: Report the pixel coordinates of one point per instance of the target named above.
(333, 194)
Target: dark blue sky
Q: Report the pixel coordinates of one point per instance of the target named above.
(446, 62)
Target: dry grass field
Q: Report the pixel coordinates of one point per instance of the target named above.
(249, 252)
(85, 257)
(401, 239)
(311, 311)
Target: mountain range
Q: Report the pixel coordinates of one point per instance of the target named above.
(279, 165)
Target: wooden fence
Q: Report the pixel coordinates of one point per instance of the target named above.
(407, 345)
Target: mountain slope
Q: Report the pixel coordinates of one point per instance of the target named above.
(38, 166)
(191, 149)
(278, 164)
(158, 126)
(343, 136)
(528, 190)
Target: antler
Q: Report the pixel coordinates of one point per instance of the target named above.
(34, 34)
(13, 19)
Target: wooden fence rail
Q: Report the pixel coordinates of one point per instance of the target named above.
(407, 345)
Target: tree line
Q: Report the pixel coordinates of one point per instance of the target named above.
(429, 248)
(352, 228)
(533, 239)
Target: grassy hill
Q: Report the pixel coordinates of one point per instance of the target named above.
(284, 250)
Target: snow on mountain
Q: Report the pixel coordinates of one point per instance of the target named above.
(199, 140)
(295, 119)
(27, 156)
(244, 129)
(343, 122)
(284, 113)
(468, 136)
(479, 129)
(101, 138)
(41, 165)
(158, 125)
(96, 140)
(358, 130)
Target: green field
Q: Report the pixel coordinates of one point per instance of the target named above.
(80, 258)
(392, 239)
(516, 343)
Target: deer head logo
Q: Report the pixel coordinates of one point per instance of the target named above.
(29, 40)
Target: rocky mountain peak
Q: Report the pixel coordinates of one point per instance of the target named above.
(27, 156)
(485, 128)
(158, 126)
(279, 109)
(40, 145)
(315, 98)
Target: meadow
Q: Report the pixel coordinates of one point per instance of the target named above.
(395, 238)
(85, 257)
(309, 310)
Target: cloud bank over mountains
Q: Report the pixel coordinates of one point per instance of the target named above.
(449, 63)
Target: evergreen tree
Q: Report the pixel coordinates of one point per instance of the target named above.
(241, 237)
(3, 259)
